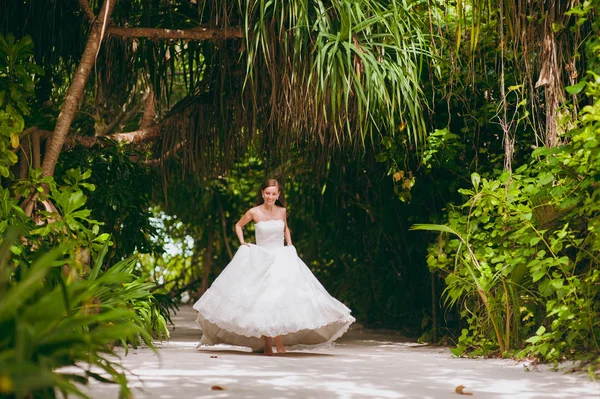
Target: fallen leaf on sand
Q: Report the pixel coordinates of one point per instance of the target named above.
(218, 388)
(459, 390)
(213, 357)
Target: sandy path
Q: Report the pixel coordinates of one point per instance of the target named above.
(362, 365)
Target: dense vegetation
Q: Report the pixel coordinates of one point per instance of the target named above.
(134, 134)
(63, 301)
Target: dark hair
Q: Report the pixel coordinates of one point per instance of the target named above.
(271, 183)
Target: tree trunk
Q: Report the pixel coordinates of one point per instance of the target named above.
(224, 225)
(551, 78)
(37, 153)
(149, 111)
(207, 261)
(75, 92)
(508, 139)
(24, 158)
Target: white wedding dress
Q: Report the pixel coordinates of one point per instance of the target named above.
(267, 290)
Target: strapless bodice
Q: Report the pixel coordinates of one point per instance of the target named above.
(269, 233)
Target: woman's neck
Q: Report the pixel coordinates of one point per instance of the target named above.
(269, 208)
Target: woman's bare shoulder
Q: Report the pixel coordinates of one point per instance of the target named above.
(252, 211)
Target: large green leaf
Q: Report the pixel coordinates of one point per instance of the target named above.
(434, 227)
(26, 288)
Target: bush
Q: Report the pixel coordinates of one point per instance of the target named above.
(46, 327)
(521, 257)
(60, 303)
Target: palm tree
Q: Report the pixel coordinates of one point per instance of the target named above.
(330, 73)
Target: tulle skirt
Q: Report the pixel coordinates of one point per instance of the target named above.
(269, 292)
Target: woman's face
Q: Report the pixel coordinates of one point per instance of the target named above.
(270, 195)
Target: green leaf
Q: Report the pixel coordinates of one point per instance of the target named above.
(536, 276)
(98, 262)
(458, 351)
(475, 179)
(576, 88)
(22, 291)
(76, 200)
(12, 157)
(433, 227)
(89, 186)
(102, 237)
(541, 330)
(563, 260)
(534, 339)
(545, 178)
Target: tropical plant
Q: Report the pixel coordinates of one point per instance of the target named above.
(523, 266)
(47, 327)
(16, 88)
(123, 206)
(68, 307)
(350, 68)
(336, 98)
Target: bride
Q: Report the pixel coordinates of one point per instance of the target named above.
(267, 294)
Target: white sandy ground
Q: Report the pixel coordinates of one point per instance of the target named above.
(362, 365)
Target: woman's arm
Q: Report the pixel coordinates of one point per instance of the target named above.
(286, 231)
(241, 223)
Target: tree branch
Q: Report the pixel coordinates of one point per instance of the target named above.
(123, 117)
(24, 158)
(75, 91)
(169, 34)
(137, 136)
(87, 11)
(134, 137)
(125, 110)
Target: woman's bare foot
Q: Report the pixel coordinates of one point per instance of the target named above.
(279, 345)
(268, 346)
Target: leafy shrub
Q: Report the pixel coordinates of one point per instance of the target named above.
(124, 204)
(61, 304)
(16, 87)
(46, 327)
(521, 259)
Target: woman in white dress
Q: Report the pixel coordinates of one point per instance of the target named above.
(267, 295)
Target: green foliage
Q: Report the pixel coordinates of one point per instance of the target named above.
(363, 60)
(524, 269)
(69, 223)
(390, 152)
(122, 191)
(64, 218)
(443, 147)
(16, 87)
(47, 327)
(62, 304)
(323, 72)
(10, 212)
